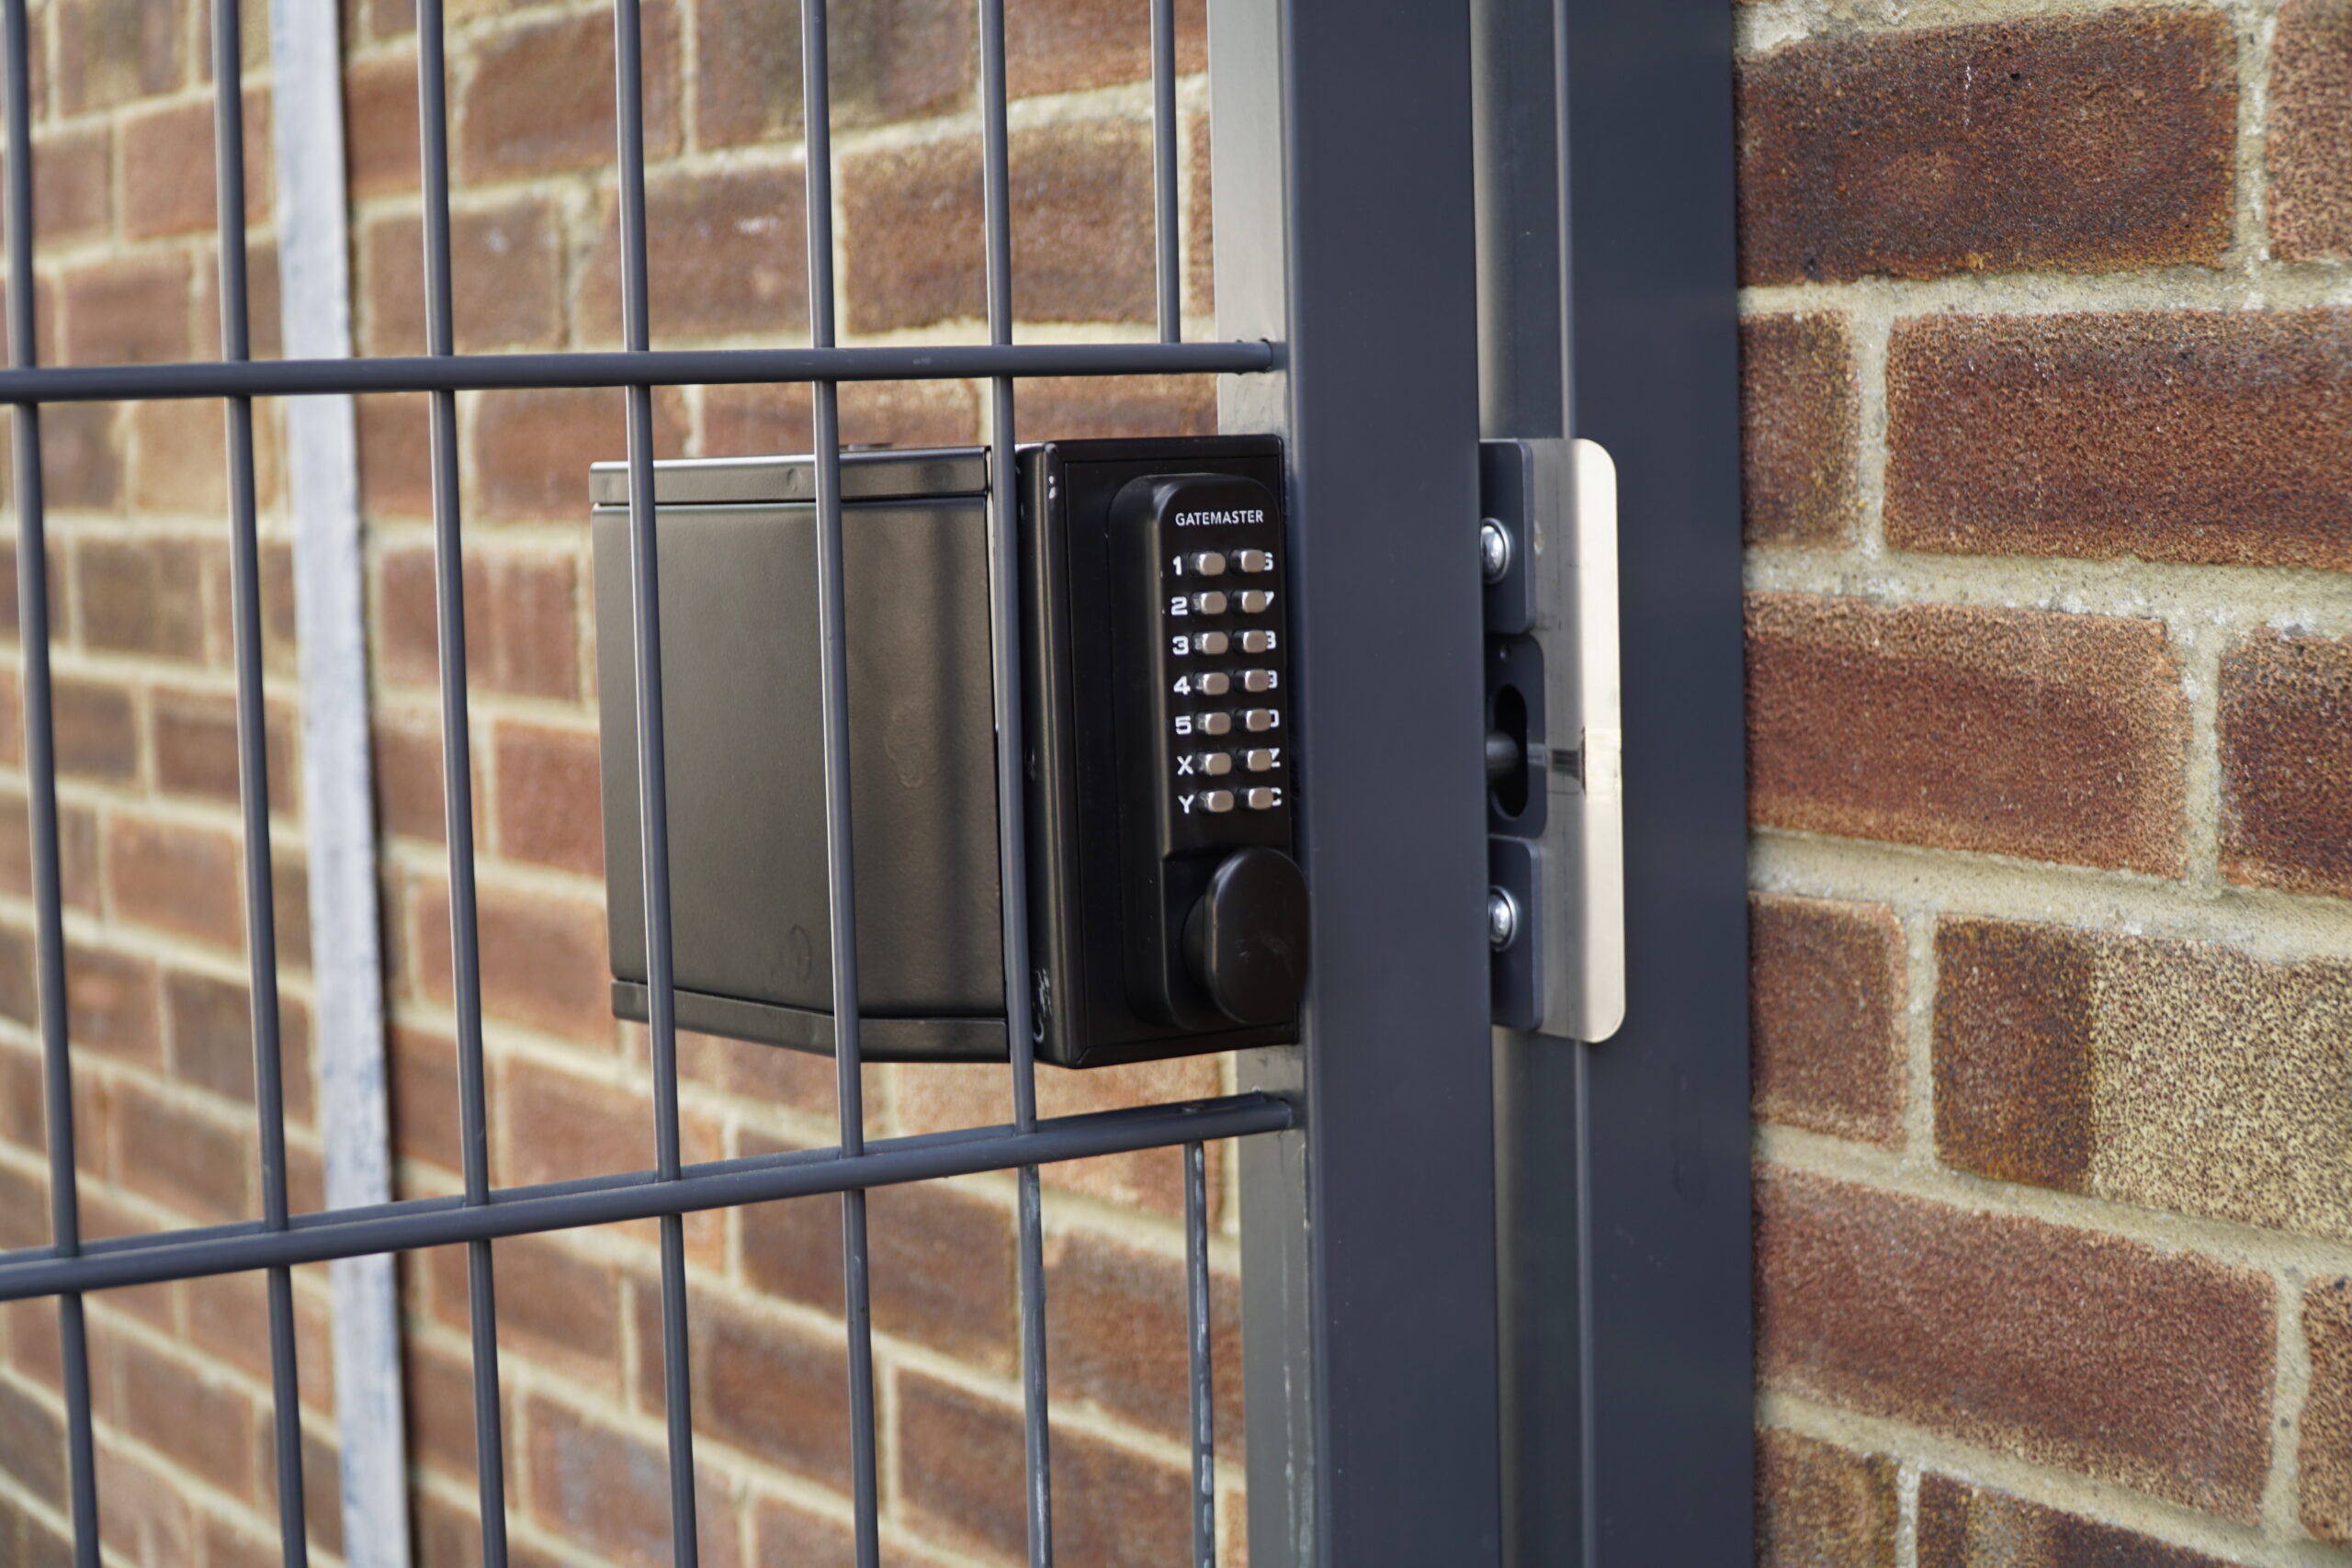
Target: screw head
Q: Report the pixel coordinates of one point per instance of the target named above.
(1494, 549)
(1502, 919)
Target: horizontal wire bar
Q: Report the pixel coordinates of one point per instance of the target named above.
(660, 367)
(638, 1195)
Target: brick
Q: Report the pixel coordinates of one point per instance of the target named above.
(441, 1403)
(212, 1040)
(2093, 143)
(522, 619)
(110, 52)
(1075, 407)
(960, 1464)
(540, 95)
(2147, 1369)
(34, 1543)
(775, 1390)
(2311, 124)
(2174, 1075)
(289, 885)
(409, 799)
(73, 184)
(422, 1078)
(47, 323)
(1827, 993)
(941, 1263)
(1199, 262)
(548, 805)
(506, 279)
(110, 1003)
(561, 1126)
(97, 730)
(252, 24)
(263, 308)
(1799, 430)
(895, 60)
(180, 879)
(556, 1308)
(2200, 436)
(749, 421)
(32, 1445)
(532, 449)
(81, 450)
(610, 1491)
(140, 597)
(1117, 1335)
(77, 829)
(2286, 785)
(180, 460)
(395, 455)
(228, 1319)
(132, 309)
(727, 256)
(188, 1416)
(2043, 736)
(381, 155)
(184, 1159)
(798, 1080)
(1063, 46)
(785, 1537)
(1962, 1525)
(196, 747)
(169, 182)
(543, 962)
(2324, 1452)
(1081, 229)
(449, 1537)
(26, 1222)
(1818, 1506)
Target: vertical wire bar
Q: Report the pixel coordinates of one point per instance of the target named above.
(1011, 853)
(252, 771)
(456, 780)
(840, 866)
(40, 789)
(1163, 168)
(1197, 1329)
(645, 594)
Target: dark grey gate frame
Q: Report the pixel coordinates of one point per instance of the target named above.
(1378, 1343)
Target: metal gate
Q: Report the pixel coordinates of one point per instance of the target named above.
(1354, 151)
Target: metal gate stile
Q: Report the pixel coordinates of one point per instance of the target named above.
(1346, 245)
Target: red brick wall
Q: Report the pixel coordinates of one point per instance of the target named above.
(2048, 378)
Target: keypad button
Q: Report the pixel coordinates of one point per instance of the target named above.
(1256, 642)
(1256, 680)
(1211, 645)
(1215, 684)
(1215, 764)
(1215, 723)
(1218, 800)
(1254, 601)
(1255, 560)
(1264, 800)
(1261, 760)
(1211, 602)
(1259, 721)
(1206, 563)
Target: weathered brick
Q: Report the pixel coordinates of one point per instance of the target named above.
(395, 455)
(143, 1514)
(196, 747)
(556, 1308)
(1063, 46)
(960, 1463)
(753, 420)
(1963, 1526)
(897, 60)
(180, 460)
(783, 1534)
(726, 255)
(540, 95)
(181, 879)
(228, 1319)
(180, 1158)
(32, 1444)
(2091, 143)
(1116, 1333)
(2148, 1368)
(112, 50)
(2324, 1452)
(97, 730)
(132, 309)
(2044, 736)
(110, 1003)
(1825, 997)
(2311, 124)
(140, 597)
(522, 619)
(33, 1542)
(543, 962)
(263, 313)
(1800, 429)
(212, 1038)
(548, 805)
(774, 1390)
(1081, 229)
(506, 279)
(441, 1404)
(168, 183)
(1200, 262)
(609, 1491)
(1075, 407)
(191, 1416)
(2175, 1075)
(450, 1537)
(73, 183)
(799, 1080)
(533, 448)
(409, 799)
(2286, 783)
(381, 155)
(422, 1077)
(82, 451)
(2201, 436)
(1818, 1506)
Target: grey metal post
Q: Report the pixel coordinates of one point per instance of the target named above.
(1341, 161)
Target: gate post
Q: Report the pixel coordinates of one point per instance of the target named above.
(1344, 228)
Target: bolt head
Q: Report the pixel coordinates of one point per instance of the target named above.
(1494, 550)
(1502, 919)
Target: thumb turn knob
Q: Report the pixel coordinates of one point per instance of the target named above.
(1246, 940)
